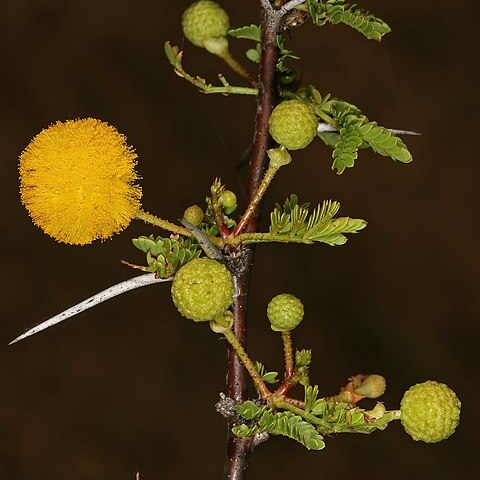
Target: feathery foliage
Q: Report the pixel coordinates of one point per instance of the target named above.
(165, 256)
(297, 222)
(278, 423)
(337, 11)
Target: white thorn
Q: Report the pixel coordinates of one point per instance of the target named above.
(104, 295)
(403, 132)
(325, 127)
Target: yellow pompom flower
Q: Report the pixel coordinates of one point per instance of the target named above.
(77, 181)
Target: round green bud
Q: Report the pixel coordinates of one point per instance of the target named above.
(430, 411)
(293, 124)
(285, 312)
(202, 290)
(194, 215)
(205, 20)
(229, 199)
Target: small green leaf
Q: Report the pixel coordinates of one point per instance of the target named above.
(270, 377)
(242, 431)
(172, 53)
(319, 407)
(248, 32)
(357, 417)
(253, 55)
(330, 139)
(249, 410)
(311, 393)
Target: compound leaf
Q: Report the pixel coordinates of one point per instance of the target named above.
(337, 11)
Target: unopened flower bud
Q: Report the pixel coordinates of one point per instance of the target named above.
(194, 215)
(285, 312)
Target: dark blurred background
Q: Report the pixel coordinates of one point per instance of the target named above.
(130, 385)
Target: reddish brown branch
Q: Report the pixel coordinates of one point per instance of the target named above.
(238, 450)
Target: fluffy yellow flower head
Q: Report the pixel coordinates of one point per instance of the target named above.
(77, 181)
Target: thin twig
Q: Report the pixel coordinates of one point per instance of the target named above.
(325, 127)
(248, 364)
(262, 188)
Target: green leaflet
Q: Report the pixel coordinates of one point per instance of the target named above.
(311, 394)
(250, 410)
(267, 377)
(284, 423)
(296, 222)
(253, 54)
(165, 256)
(337, 11)
(330, 139)
(248, 32)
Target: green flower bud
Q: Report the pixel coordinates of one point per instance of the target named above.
(194, 215)
(202, 290)
(293, 124)
(203, 21)
(229, 199)
(430, 411)
(285, 312)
